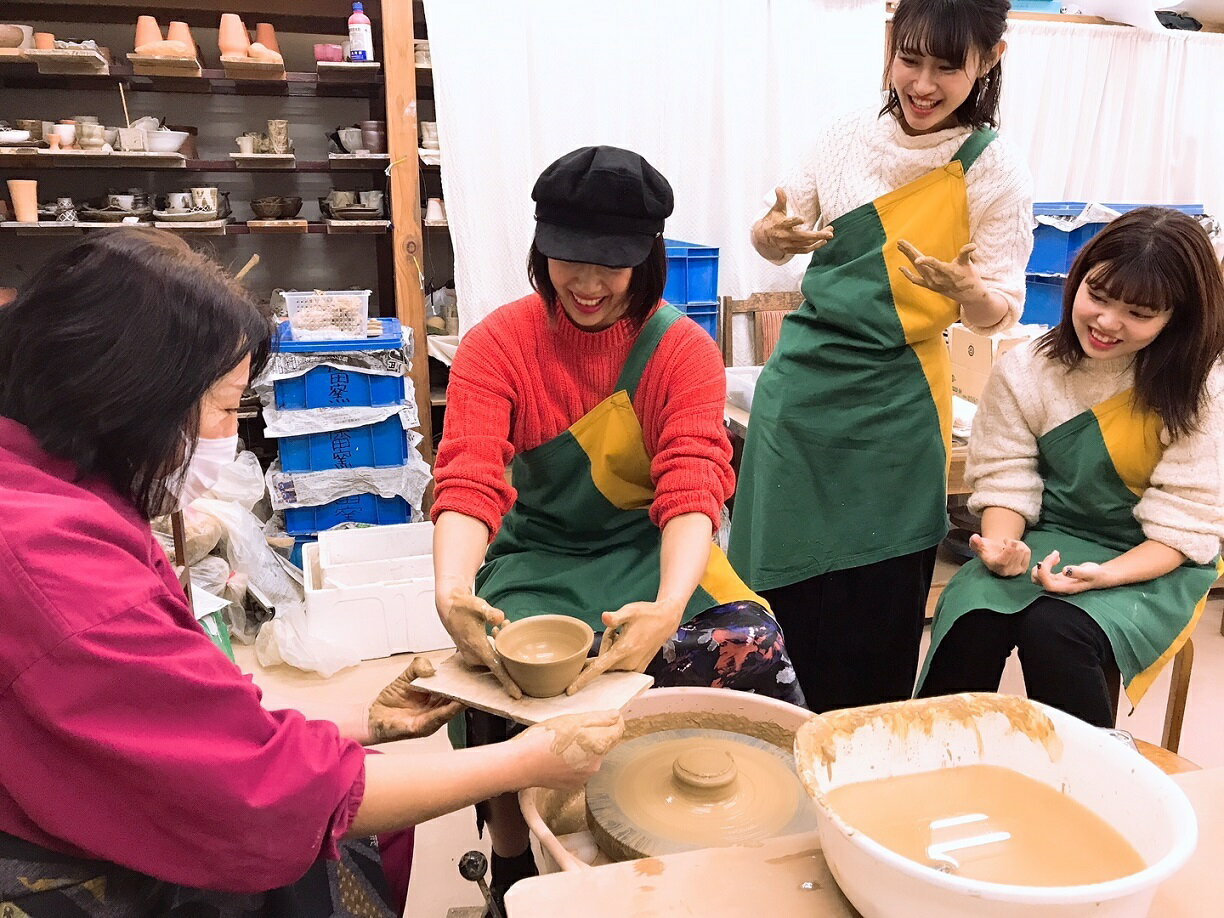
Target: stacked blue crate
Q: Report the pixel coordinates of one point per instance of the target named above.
(382, 445)
(692, 282)
(1054, 252)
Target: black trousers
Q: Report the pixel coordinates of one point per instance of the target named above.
(1066, 657)
(853, 635)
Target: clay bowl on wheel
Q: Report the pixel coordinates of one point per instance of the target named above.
(544, 653)
(276, 207)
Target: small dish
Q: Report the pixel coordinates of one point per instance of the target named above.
(10, 137)
(165, 141)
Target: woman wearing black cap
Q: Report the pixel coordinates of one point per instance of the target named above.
(610, 404)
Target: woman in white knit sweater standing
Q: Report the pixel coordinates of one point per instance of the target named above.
(1098, 452)
(918, 216)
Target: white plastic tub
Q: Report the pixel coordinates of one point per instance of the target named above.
(1116, 783)
(374, 620)
(379, 554)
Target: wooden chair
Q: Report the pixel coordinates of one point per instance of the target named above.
(1179, 689)
(767, 311)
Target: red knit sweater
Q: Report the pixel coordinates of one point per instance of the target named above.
(521, 378)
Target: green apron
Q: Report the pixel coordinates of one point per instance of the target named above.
(846, 459)
(579, 539)
(1096, 467)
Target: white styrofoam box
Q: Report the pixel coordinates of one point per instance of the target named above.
(378, 554)
(374, 620)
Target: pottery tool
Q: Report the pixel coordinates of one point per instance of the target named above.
(127, 119)
(479, 688)
(682, 790)
(251, 263)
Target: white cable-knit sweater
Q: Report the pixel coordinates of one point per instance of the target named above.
(861, 156)
(1029, 395)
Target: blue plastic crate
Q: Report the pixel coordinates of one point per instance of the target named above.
(1043, 299)
(692, 273)
(392, 338)
(359, 508)
(1037, 6)
(704, 314)
(295, 556)
(1055, 250)
(380, 445)
(329, 387)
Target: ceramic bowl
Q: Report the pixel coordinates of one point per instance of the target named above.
(14, 136)
(350, 139)
(544, 654)
(1086, 763)
(165, 141)
(276, 207)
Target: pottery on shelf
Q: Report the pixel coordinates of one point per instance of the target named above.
(148, 32)
(328, 53)
(232, 37)
(24, 195)
(67, 131)
(265, 34)
(53, 142)
(90, 136)
(165, 141)
(276, 207)
(12, 36)
(544, 654)
(350, 139)
(44, 41)
(181, 32)
(31, 125)
(374, 141)
(278, 135)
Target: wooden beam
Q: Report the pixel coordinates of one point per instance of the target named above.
(399, 68)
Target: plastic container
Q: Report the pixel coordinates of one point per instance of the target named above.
(374, 620)
(380, 445)
(361, 35)
(295, 554)
(391, 339)
(692, 273)
(330, 387)
(355, 557)
(327, 315)
(1054, 250)
(1117, 784)
(704, 314)
(1037, 6)
(358, 508)
(1043, 299)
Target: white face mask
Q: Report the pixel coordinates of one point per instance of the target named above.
(210, 456)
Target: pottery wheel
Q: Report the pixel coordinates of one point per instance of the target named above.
(681, 790)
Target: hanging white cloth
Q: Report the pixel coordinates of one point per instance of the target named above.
(722, 96)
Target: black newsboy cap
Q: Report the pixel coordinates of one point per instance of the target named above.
(600, 206)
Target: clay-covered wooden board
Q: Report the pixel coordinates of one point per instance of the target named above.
(479, 688)
(784, 876)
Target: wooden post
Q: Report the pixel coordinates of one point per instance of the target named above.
(399, 68)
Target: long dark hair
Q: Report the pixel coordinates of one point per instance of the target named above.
(107, 353)
(948, 29)
(645, 286)
(1161, 259)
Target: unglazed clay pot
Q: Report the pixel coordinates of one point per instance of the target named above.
(544, 654)
(147, 31)
(24, 195)
(44, 41)
(180, 31)
(232, 37)
(266, 36)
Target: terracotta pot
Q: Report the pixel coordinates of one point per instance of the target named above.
(24, 195)
(180, 31)
(266, 36)
(374, 141)
(44, 41)
(147, 31)
(232, 37)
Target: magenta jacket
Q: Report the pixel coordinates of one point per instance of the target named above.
(125, 734)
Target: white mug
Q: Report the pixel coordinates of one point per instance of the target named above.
(204, 198)
(372, 199)
(179, 200)
(246, 144)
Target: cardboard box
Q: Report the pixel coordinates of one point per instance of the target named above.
(974, 356)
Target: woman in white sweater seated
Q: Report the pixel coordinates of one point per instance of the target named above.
(1097, 452)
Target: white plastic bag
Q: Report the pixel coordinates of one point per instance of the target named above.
(287, 639)
(241, 481)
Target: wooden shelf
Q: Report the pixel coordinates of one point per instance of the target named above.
(347, 161)
(159, 161)
(357, 227)
(16, 73)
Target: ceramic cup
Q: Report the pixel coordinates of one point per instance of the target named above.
(205, 198)
(65, 210)
(341, 198)
(278, 135)
(24, 195)
(179, 200)
(44, 41)
(544, 654)
(125, 201)
(372, 199)
(67, 133)
(350, 138)
(90, 136)
(374, 141)
(246, 144)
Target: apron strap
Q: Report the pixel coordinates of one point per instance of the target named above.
(973, 146)
(644, 347)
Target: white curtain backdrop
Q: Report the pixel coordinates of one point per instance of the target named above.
(720, 95)
(1116, 114)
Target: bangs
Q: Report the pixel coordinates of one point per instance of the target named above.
(947, 38)
(1139, 281)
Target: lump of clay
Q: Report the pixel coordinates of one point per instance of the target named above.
(166, 49)
(260, 52)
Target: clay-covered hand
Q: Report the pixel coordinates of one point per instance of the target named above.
(781, 233)
(1073, 578)
(564, 752)
(1002, 557)
(958, 280)
(402, 712)
(632, 636)
(467, 619)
